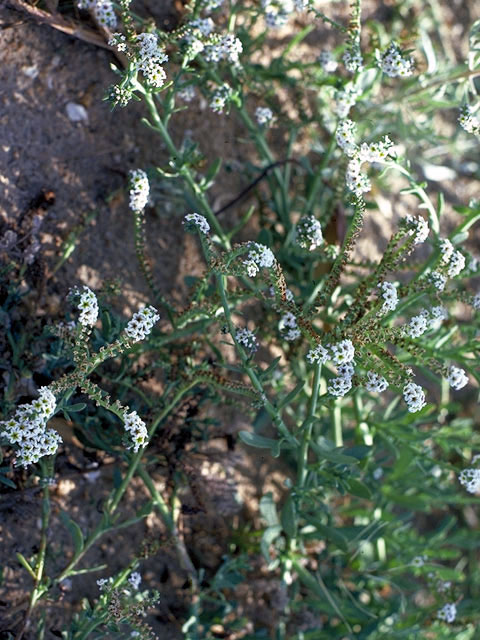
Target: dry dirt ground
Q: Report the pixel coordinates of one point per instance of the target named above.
(85, 164)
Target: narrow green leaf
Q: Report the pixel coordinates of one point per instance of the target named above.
(73, 408)
(75, 532)
(292, 395)
(357, 488)
(330, 533)
(24, 562)
(288, 518)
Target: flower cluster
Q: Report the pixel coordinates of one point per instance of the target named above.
(288, 327)
(149, 59)
(394, 64)
(457, 378)
(476, 302)
(263, 115)
(470, 479)
(102, 11)
(258, 257)
(468, 121)
(390, 297)
(353, 60)
(373, 152)
(139, 190)
(227, 47)
(27, 429)
(417, 228)
(417, 326)
(88, 307)
(197, 222)
(247, 339)
(375, 382)
(135, 579)
(318, 354)
(327, 62)
(452, 258)
(136, 428)
(142, 323)
(342, 352)
(342, 384)
(277, 12)
(414, 396)
(448, 612)
(220, 98)
(308, 233)
(438, 280)
(344, 100)
(187, 94)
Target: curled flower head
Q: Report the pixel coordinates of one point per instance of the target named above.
(375, 382)
(393, 64)
(414, 396)
(318, 354)
(470, 479)
(342, 352)
(139, 190)
(417, 228)
(390, 297)
(197, 222)
(142, 323)
(247, 339)
(263, 115)
(448, 612)
(308, 233)
(457, 378)
(136, 429)
(88, 307)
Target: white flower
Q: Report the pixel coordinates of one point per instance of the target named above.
(457, 378)
(345, 136)
(142, 323)
(88, 307)
(418, 561)
(456, 265)
(345, 99)
(261, 255)
(139, 190)
(377, 473)
(342, 352)
(417, 326)
(438, 280)
(135, 579)
(247, 339)
(468, 121)
(327, 62)
(102, 10)
(353, 61)
(198, 221)
(308, 233)
(150, 58)
(101, 582)
(418, 228)
(288, 327)
(263, 115)
(375, 382)
(187, 94)
(476, 302)
(137, 429)
(220, 98)
(375, 151)
(339, 386)
(470, 479)
(318, 354)
(414, 396)
(390, 297)
(394, 64)
(448, 612)
(228, 47)
(446, 250)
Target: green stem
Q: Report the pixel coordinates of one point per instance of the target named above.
(271, 410)
(185, 171)
(307, 427)
(337, 423)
